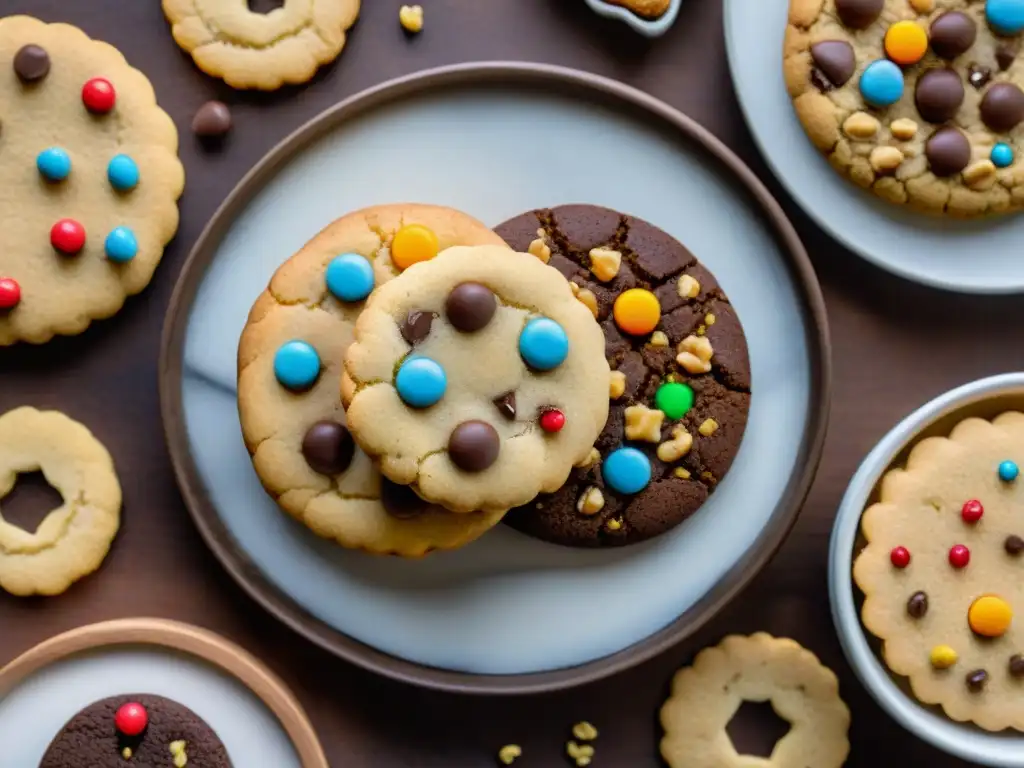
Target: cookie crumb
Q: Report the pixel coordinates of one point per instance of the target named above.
(643, 423)
(605, 263)
(659, 339)
(591, 502)
(708, 428)
(411, 18)
(617, 385)
(583, 730)
(688, 287)
(540, 249)
(508, 754)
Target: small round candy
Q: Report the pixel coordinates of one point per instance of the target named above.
(674, 399)
(959, 556)
(972, 511)
(121, 245)
(552, 420)
(637, 311)
(98, 95)
(122, 173)
(881, 84)
(131, 719)
(349, 277)
(473, 446)
(413, 243)
(1008, 471)
(626, 470)
(420, 382)
(470, 306)
(10, 293)
(990, 616)
(328, 448)
(543, 344)
(900, 557)
(906, 43)
(54, 164)
(1005, 16)
(1002, 155)
(943, 657)
(67, 236)
(296, 365)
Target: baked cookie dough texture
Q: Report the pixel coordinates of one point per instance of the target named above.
(919, 101)
(91, 180)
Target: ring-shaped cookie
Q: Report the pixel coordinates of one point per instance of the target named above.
(706, 695)
(73, 539)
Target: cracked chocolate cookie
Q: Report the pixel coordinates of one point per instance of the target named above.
(289, 369)
(139, 730)
(919, 101)
(680, 383)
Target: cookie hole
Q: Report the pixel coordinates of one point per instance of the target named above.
(30, 501)
(264, 6)
(755, 729)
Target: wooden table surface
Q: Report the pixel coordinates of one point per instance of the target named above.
(896, 345)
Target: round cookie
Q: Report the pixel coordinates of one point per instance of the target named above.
(919, 101)
(298, 332)
(941, 572)
(76, 237)
(140, 730)
(248, 49)
(477, 378)
(674, 427)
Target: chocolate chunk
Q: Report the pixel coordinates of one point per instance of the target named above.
(1016, 666)
(402, 502)
(506, 405)
(948, 151)
(473, 446)
(938, 95)
(978, 76)
(917, 605)
(952, 34)
(328, 448)
(1006, 54)
(835, 60)
(819, 81)
(976, 680)
(858, 14)
(1013, 545)
(212, 120)
(1002, 107)
(31, 63)
(470, 306)
(417, 326)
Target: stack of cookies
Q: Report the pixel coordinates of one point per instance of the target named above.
(410, 376)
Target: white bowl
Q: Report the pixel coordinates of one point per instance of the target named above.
(985, 398)
(647, 27)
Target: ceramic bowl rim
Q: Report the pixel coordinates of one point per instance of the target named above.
(647, 27)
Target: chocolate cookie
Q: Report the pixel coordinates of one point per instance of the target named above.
(680, 385)
(136, 730)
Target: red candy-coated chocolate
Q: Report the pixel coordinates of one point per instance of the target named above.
(131, 719)
(67, 236)
(98, 95)
(10, 293)
(552, 421)
(900, 557)
(959, 556)
(972, 511)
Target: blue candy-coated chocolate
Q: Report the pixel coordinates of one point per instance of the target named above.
(121, 245)
(122, 173)
(349, 277)
(1002, 155)
(881, 85)
(1008, 471)
(1005, 16)
(626, 470)
(543, 344)
(54, 164)
(296, 365)
(420, 382)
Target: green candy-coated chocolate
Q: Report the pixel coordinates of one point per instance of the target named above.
(674, 399)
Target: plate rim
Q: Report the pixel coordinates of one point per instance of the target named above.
(183, 638)
(578, 84)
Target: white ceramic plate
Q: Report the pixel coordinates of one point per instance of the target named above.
(970, 257)
(497, 140)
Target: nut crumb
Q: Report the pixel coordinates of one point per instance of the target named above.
(177, 749)
(540, 249)
(707, 476)
(677, 447)
(580, 753)
(709, 319)
(701, 330)
(613, 524)
(605, 263)
(860, 125)
(592, 458)
(923, 6)
(695, 353)
(903, 129)
(587, 298)
(659, 339)
(617, 386)
(126, 753)
(411, 18)
(591, 502)
(643, 423)
(708, 428)
(688, 287)
(584, 731)
(508, 754)
(682, 474)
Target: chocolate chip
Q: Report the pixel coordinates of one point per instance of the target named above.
(819, 81)
(1016, 666)
(31, 63)
(858, 14)
(938, 95)
(976, 680)
(470, 306)
(473, 446)
(401, 501)
(212, 120)
(1013, 545)
(506, 405)
(948, 152)
(952, 34)
(1006, 54)
(917, 605)
(1002, 107)
(328, 448)
(978, 76)
(835, 60)
(417, 326)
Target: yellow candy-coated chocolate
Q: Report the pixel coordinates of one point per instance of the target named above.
(943, 657)
(906, 43)
(413, 243)
(637, 311)
(990, 616)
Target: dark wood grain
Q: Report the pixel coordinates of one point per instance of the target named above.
(896, 345)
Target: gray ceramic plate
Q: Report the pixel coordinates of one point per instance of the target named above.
(507, 613)
(971, 257)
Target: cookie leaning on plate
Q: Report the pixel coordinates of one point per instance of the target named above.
(919, 101)
(289, 368)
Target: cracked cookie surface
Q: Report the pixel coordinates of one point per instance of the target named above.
(477, 378)
(918, 101)
(691, 444)
(298, 440)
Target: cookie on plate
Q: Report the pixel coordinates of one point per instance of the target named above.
(941, 572)
(477, 378)
(919, 101)
(680, 388)
(91, 179)
(139, 730)
(289, 368)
